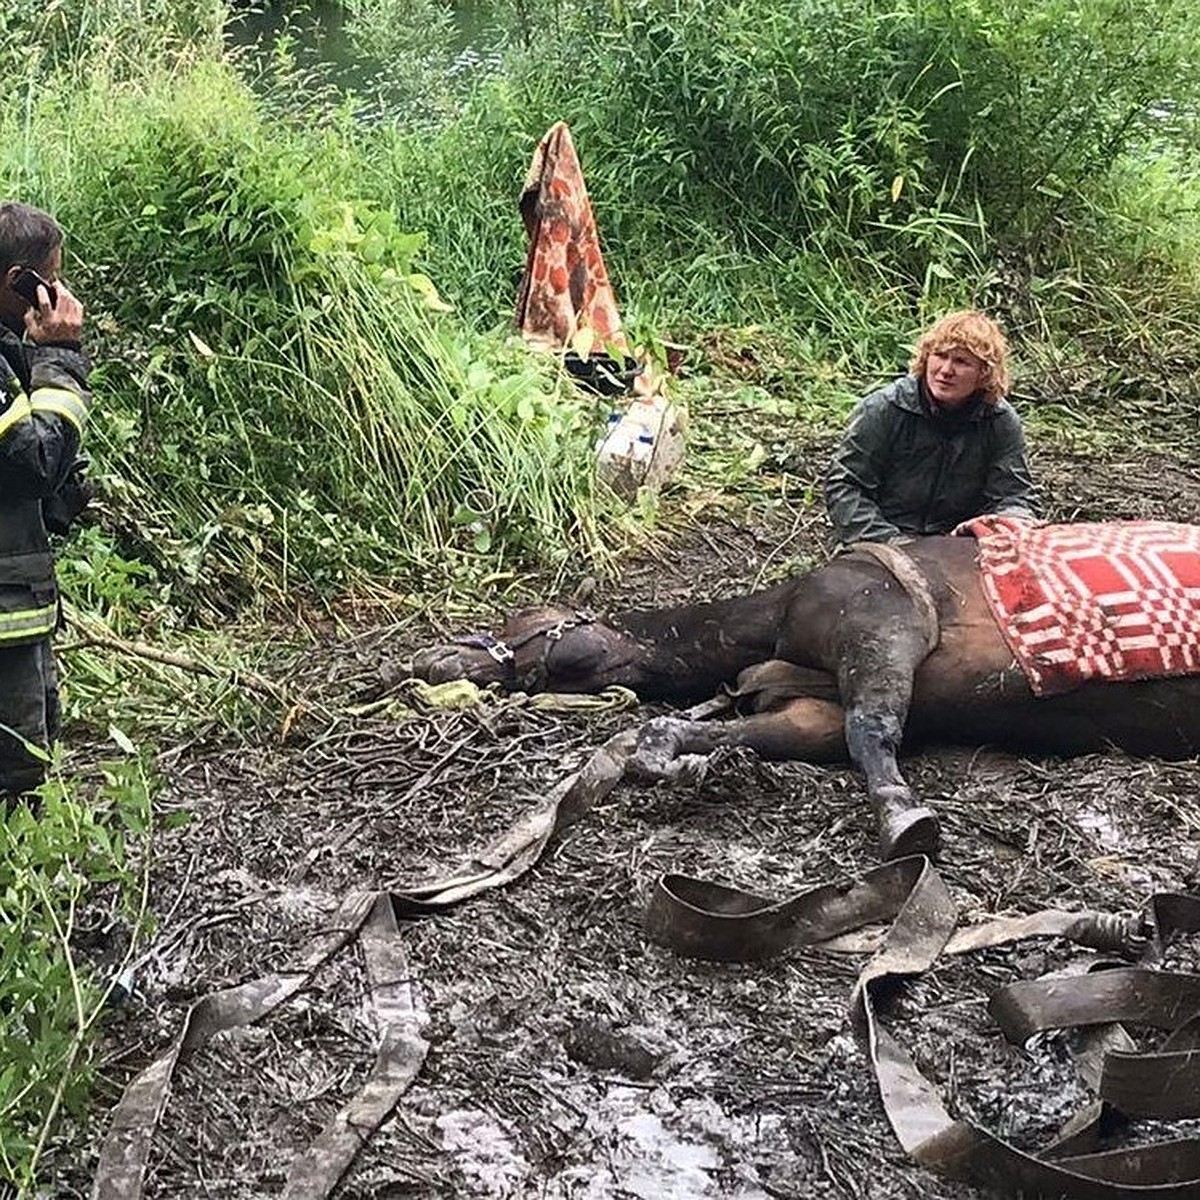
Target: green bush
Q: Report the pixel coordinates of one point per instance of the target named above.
(783, 161)
(282, 405)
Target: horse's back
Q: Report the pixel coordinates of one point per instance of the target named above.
(972, 689)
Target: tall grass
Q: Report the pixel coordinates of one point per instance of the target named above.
(283, 400)
(91, 840)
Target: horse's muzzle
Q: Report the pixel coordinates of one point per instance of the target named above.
(441, 664)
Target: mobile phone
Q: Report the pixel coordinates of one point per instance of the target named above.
(26, 285)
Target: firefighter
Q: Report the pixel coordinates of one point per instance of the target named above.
(43, 404)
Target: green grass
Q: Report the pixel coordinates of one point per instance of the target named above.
(283, 404)
(56, 869)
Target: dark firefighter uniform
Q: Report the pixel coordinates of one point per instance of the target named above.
(42, 409)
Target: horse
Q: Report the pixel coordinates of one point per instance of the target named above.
(878, 647)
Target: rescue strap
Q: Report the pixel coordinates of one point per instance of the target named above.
(708, 920)
(911, 578)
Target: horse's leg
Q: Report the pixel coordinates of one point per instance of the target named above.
(804, 729)
(877, 659)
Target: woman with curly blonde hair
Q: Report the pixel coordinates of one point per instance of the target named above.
(936, 447)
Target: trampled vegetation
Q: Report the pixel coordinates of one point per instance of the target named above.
(306, 386)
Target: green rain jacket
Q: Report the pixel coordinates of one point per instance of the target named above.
(43, 403)
(903, 469)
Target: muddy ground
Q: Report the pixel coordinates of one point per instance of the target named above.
(570, 1057)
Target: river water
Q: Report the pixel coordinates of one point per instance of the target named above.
(318, 37)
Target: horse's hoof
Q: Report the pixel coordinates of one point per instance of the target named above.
(657, 751)
(908, 831)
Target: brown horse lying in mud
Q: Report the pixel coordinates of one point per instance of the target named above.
(872, 648)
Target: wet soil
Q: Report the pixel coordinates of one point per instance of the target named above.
(571, 1057)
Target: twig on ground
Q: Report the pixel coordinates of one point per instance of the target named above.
(91, 633)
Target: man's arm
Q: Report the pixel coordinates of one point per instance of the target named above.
(40, 430)
(1009, 488)
(855, 474)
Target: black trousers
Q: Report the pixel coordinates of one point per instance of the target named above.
(30, 712)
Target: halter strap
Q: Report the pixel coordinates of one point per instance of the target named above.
(505, 653)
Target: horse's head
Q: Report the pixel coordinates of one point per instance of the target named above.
(550, 648)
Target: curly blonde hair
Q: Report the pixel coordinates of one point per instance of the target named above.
(978, 335)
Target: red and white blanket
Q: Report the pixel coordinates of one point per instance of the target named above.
(1112, 601)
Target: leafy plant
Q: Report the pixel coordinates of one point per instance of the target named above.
(55, 865)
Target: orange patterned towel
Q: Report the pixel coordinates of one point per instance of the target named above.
(565, 287)
(1112, 601)
(566, 304)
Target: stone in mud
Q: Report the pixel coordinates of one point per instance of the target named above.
(596, 1044)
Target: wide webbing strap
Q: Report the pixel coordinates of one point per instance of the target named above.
(370, 918)
(712, 921)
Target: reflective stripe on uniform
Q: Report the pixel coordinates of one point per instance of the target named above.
(18, 410)
(62, 401)
(28, 622)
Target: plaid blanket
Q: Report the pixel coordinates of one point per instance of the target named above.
(1113, 601)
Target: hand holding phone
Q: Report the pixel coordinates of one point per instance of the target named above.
(26, 284)
(59, 320)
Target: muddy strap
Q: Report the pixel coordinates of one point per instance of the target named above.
(708, 920)
(515, 851)
(401, 1022)
(371, 918)
(910, 577)
(126, 1148)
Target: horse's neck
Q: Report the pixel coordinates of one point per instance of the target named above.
(699, 646)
